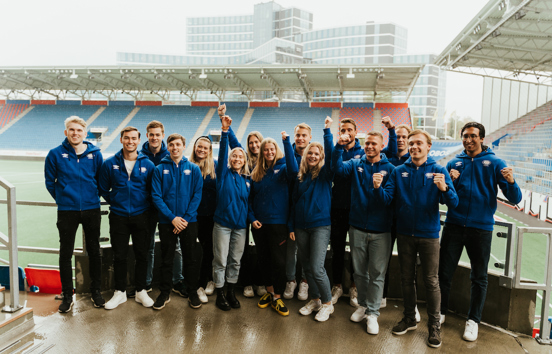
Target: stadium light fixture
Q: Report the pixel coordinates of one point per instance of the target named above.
(478, 47)
(74, 75)
(302, 76)
(519, 15)
(264, 76)
(496, 33)
(192, 77)
(350, 75)
(202, 75)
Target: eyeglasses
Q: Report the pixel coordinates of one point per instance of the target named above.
(471, 137)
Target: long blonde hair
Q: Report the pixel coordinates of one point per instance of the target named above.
(252, 159)
(262, 165)
(207, 166)
(245, 168)
(304, 167)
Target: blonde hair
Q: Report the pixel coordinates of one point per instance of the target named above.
(403, 126)
(207, 166)
(262, 165)
(302, 126)
(423, 132)
(252, 159)
(75, 119)
(304, 167)
(245, 168)
(375, 133)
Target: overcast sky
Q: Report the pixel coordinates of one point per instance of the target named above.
(63, 32)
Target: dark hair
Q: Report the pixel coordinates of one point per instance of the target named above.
(474, 125)
(130, 129)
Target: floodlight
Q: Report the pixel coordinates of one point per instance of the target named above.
(496, 33)
(202, 76)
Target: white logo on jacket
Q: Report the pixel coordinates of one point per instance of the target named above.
(486, 163)
(360, 169)
(459, 163)
(383, 173)
(248, 185)
(357, 156)
(404, 174)
(166, 172)
(90, 156)
(65, 156)
(276, 171)
(187, 172)
(429, 175)
(115, 167)
(143, 169)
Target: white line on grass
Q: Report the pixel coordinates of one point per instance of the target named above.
(540, 297)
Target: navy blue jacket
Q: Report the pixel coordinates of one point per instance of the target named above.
(391, 150)
(269, 198)
(126, 195)
(477, 188)
(417, 198)
(176, 190)
(155, 158)
(367, 213)
(73, 181)
(311, 205)
(232, 192)
(341, 193)
(208, 196)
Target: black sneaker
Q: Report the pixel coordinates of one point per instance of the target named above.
(434, 338)
(161, 301)
(194, 300)
(97, 299)
(180, 289)
(221, 301)
(280, 307)
(265, 300)
(404, 326)
(66, 303)
(131, 293)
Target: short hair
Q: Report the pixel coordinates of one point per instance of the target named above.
(176, 136)
(130, 129)
(375, 133)
(155, 124)
(302, 126)
(348, 120)
(75, 119)
(474, 125)
(403, 126)
(423, 132)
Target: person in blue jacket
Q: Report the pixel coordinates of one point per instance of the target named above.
(176, 192)
(71, 172)
(269, 199)
(202, 155)
(370, 230)
(477, 173)
(231, 213)
(310, 222)
(418, 186)
(125, 183)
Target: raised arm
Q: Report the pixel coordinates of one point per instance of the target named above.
(291, 163)
(328, 147)
(391, 149)
(222, 166)
(338, 166)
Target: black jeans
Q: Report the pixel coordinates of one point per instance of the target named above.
(67, 224)
(205, 236)
(428, 248)
(249, 272)
(478, 247)
(393, 238)
(191, 256)
(271, 242)
(338, 241)
(120, 229)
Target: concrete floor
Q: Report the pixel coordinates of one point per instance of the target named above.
(131, 328)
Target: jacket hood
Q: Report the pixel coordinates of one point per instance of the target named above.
(146, 151)
(119, 155)
(487, 151)
(90, 147)
(167, 159)
(383, 160)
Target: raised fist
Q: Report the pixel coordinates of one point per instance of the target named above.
(388, 122)
(222, 110)
(377, 178)
(328, 122)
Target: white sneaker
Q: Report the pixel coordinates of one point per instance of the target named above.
(353, 297)
(210, 288)
(313, 305)
(442, 319)
(383, 303)
(470, 333)
(118, 298)
(359, 314)
(418, 317)
(290, 289)
(324, 313)
(303, 293)
(143, 298)
(337, 291)
(261, 290)
(202, 296)
(248, 291)
(372, 326)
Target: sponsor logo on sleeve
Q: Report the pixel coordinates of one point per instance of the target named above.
(360, 169)
(65, 156)
(115, 167)
(459, 163)
(404, 174)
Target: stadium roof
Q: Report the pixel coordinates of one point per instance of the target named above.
(507, 35)
(379, 80)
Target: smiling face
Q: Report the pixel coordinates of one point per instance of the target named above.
(418, 147)
(313, 156)
(130, 141)
(202, 149)
(302, 138)
(472, 141)
(74, 133)
(372, 146)
(155, 137)
(254, 145)
(237, 160)
(176, 148)
(269, 152)
(402, 139)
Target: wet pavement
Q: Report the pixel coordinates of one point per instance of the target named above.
(179, 328)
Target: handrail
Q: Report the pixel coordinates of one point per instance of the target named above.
(11, 242)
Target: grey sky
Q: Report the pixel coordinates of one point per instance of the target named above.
(63, 32)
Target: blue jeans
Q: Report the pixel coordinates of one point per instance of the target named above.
(177, 263)
(291, 261)
(370, 253)
(228, 245)
(478, 247)
(313, 245)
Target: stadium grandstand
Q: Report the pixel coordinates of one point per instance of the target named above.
(506, 43)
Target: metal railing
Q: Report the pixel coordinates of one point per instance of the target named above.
(10, 242)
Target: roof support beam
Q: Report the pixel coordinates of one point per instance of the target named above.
(307, 89)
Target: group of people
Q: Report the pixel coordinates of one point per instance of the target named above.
(295, 202)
